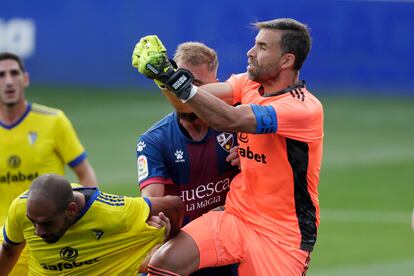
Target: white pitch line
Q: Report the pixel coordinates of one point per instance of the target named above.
(393, 217)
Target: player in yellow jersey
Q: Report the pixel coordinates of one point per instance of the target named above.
(35, 139)
(70, 229)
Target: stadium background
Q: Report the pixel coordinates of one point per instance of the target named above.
(78, 55)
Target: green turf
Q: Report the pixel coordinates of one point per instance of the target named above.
(366, 188)
(109, 123)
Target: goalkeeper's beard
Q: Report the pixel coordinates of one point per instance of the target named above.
(264, 74)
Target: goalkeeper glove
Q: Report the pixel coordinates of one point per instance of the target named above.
(150, 58)
(160, 84)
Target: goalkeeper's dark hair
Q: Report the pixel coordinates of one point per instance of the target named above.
(196, 53)
(295, 37)
(8, 56)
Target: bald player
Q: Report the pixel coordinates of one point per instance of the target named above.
(70, 229)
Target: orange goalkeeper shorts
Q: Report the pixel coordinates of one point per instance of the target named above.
(223, 239)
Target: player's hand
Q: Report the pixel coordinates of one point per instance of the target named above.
(233, 157)
(159, 222)
(150, 58)
(162, 85)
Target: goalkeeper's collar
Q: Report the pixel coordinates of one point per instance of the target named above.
(298, 85)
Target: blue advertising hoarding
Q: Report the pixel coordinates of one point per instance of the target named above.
(360, 45)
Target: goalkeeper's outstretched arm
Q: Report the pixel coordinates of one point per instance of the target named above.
(219, 114)
(175, 102)
(151, 60)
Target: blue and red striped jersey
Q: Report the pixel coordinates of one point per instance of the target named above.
(197, 171)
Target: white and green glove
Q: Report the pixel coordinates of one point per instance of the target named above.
(150, 58)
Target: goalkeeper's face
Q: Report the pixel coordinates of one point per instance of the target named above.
(266, 58)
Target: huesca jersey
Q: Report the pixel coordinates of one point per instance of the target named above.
(197, 171)
(277, 188)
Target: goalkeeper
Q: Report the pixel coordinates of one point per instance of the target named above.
(271, 214)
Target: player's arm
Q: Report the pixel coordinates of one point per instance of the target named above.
(212, 103)
(9, 254)
(152, 168)
(175, 102)
(172, 207)
(220, 115)
(85, 174)
(220, 90)
(151, 60)
(153, 190)
(72, 152)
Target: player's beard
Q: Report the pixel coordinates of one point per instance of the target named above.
(264, 74)
(55, 237)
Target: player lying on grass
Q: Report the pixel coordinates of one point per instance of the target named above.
(70, 229)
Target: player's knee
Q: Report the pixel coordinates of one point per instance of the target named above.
(179, 255)
(163, 258)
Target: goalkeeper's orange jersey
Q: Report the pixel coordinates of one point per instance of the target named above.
(276, 190)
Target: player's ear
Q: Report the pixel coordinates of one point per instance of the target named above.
(288, 60)
(72, 209)
(26, 79)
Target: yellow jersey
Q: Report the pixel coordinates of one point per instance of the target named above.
(110, 237)
(42, 141)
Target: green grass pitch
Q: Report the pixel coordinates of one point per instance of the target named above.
(367, 179)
